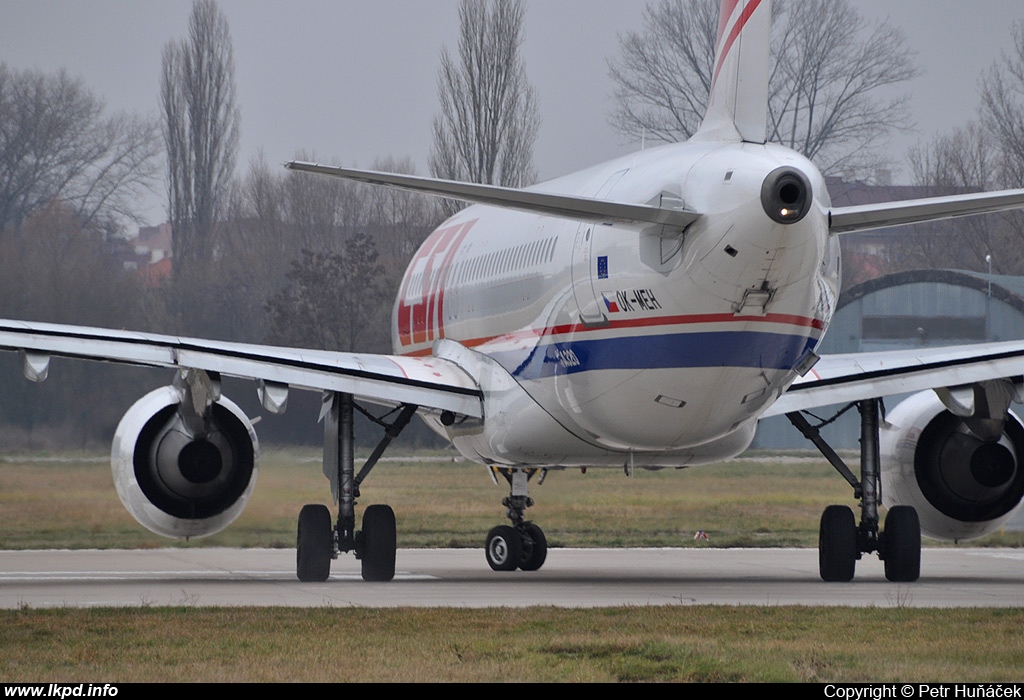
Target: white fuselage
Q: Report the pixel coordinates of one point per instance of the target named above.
(628, 343)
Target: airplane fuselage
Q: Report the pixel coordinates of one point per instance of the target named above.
(634, 343)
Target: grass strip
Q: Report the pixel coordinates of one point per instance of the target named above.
(706, 643)
(68, 501)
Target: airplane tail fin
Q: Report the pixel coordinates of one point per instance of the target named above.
(738, 104)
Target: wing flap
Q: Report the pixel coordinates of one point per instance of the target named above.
(529, 200)
(428, 382)
(838, 379)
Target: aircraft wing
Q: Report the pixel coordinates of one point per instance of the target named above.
(845, 378)
(871, 216)
(566, 206)
(429, 383)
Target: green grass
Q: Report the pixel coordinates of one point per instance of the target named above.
(536, 644)
(68, 501)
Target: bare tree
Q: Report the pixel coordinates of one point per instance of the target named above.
(200, 123)
(60, 272)
(398, 221)
(488, 121)
(966, 159)
(1002, 109)
(983, 155)
(56, 145)
(827, 67)
(1002, 121)
(321, 212)
(663, 75)
(333, 301)
(253, 250)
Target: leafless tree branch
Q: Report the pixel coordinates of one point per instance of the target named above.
(56, 145)
(200, 125)
(488, 120)
(827, 67)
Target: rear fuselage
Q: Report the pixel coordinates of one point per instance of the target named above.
(643, 343)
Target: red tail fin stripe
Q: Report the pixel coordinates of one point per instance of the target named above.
(728, 7)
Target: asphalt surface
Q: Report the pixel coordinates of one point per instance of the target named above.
(951, 577)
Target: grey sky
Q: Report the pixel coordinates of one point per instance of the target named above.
(355, 80)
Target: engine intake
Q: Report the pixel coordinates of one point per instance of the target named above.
(962, 486)
(174, 483)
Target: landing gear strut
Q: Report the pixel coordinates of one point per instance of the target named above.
(523, 544)
(841, 542)
(319, 541)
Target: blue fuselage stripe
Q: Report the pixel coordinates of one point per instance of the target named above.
(674, 350)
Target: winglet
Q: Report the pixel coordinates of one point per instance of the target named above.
(738, 103)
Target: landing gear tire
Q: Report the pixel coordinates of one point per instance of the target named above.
(504, 548)
(379, 543)
(535, 547)
(314, 544)
(902, 541)
(837, 544)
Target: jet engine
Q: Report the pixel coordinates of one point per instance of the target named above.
(182, 481)
(963, 486)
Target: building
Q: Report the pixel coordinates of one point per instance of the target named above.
(151, 255)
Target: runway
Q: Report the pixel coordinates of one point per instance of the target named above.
(461, 578)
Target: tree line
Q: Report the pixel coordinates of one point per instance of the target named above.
(986, 153)
(269, 256)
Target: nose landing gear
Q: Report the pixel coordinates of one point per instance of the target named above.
(521, 545)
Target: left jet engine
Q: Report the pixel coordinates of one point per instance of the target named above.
(174, 482)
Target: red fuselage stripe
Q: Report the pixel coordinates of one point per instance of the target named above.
(663, 321)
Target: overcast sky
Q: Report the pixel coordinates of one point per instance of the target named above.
(356, 80)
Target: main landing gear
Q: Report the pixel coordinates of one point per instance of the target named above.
(841, 541)
(318, 541)
(521, 545)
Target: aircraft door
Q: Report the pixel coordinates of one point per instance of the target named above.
(584, 269)
(584, 266)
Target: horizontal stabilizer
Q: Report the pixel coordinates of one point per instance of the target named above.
(550, 204)
(912, 211)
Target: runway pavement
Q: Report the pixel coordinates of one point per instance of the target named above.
(461, 578)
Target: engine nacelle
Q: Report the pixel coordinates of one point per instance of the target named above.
(174, 484)
(962, 487)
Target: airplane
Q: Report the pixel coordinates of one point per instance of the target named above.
(644, 313)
